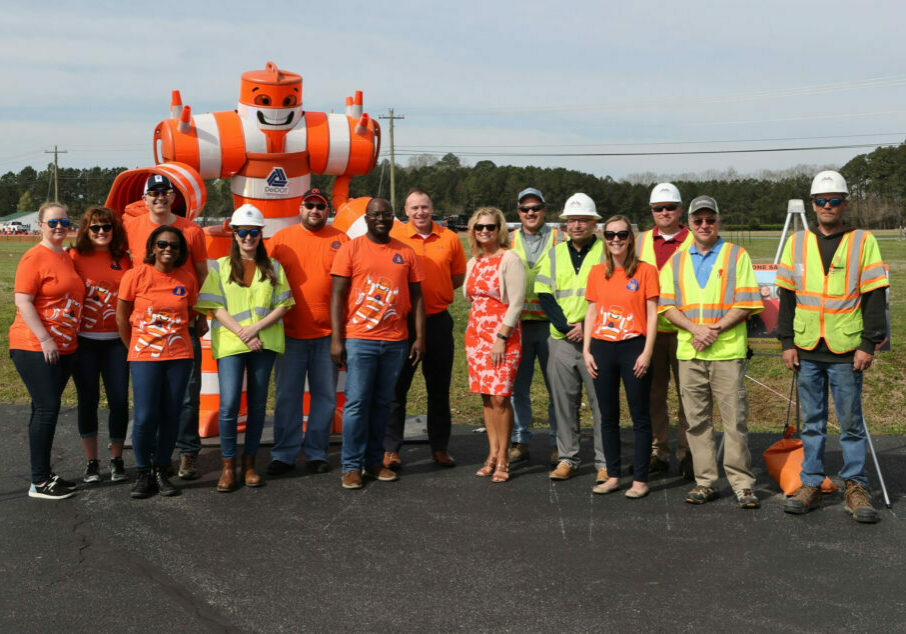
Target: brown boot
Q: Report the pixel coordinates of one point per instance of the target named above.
(249, 475)
(227, 475)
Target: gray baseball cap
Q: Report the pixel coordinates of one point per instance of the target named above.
(703, 202)
(530, 191)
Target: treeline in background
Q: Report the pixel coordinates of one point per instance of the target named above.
(877, 182)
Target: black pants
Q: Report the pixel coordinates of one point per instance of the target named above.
(105, 359)
(615, 360)
(437, 368)
(45, 383)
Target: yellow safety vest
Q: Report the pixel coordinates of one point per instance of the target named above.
(827, 306)
(568, 287)
(644, 247)
(531, 309)
(247, 305)
(731, 284)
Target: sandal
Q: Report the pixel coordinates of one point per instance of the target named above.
(489, 465)
(502, 474)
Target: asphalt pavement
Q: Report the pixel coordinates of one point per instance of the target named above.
(440, 550)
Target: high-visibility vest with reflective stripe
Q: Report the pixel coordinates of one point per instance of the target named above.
(731, 284)
(559, 278)
(247, 305)
(644, 247)
(828, 306)
(531, 309)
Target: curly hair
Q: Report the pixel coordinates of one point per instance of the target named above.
(183, 256)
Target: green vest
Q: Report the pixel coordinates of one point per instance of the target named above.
(568, 287)
(644, 247)
(531, 309)
(247, 305)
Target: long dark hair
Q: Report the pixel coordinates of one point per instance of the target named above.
(183, 245)
(117, 245)
(632, 260)
(261, 261)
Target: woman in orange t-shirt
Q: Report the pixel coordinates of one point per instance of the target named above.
(101, 261)
(620, 327)
(42, 340)
(153, 321)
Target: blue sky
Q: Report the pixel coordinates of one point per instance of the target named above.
(481, 79)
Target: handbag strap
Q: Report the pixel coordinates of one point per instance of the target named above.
(794, 389)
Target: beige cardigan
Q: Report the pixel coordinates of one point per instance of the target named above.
(511, 275)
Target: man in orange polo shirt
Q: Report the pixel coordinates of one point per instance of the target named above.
(306, 252)
(159, 196)
(443, 262)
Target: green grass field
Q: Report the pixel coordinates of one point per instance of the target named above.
(884, 389)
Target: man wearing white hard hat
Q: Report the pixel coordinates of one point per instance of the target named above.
(306, 251)
(560, 287)
(656, 246)
(159, 196)
(831, 320)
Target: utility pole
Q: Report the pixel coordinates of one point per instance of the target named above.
(392, 156)
(56, 180)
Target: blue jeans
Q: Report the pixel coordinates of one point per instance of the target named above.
(372, 369)
(304, 358)
(846, 387)
(45, 383)
(230, 372)
(187, 439)
(535, 334)
(98, 359)
(158, 388)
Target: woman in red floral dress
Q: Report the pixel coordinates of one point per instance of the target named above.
(495, 284)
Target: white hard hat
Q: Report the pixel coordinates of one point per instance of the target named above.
(665, 193)
(829, 182)
(247, 215)
(580, 206)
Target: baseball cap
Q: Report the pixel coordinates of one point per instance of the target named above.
(530, 191)
(314, 192)
(157, 181)
(703, 202)
(580, 206)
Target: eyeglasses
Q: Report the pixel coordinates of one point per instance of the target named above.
(710, 220)
(834, 202)
(242, 233)
(528, 208)
(482, 227)
(53, 222)
(318, 206)
(660, 208)
(163, 244)
(106, 228)
(157, 193)
(579, 221)
(610, 235)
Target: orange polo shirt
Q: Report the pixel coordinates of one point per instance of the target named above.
(441, 256)
(307, 256)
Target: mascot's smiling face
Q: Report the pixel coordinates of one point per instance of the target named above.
(272, 97)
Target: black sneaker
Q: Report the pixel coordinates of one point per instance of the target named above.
(117, 470)
(50, 490)
(316, 466)
(278, 467)
(92, 472)
(143, 487)
(61, 482)
(164, 486)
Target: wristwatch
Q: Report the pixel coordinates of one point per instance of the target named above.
(502, 336)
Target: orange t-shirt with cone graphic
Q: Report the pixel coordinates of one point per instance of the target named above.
(621, 301)
(379, 303)
(160, 312)
(58, 292)
(102, 276)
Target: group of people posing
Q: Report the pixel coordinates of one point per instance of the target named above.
(593, 312)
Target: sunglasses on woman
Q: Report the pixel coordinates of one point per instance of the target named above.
(163, 244)
(53, 222)
(610, 235)
(479, 227)
(106, 228)
(243, 233)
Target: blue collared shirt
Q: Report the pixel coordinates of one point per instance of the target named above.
(702, 264)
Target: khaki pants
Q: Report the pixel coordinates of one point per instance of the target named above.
(663, 363)
(702, 383)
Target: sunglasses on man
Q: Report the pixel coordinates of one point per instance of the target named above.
(834, 202)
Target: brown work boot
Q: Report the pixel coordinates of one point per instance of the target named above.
(519, 452)
(227, 475)
(805, 499)
(249, 475)
(858, 503)
(392, 460)
(188, 466)
(352, 480)
(657, 465)
(564, 471)
(443, 458)
(382, 473)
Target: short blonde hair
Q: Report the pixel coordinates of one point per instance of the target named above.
(50, 204)
(503, 235)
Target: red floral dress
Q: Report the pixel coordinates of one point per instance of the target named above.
(485, 319)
